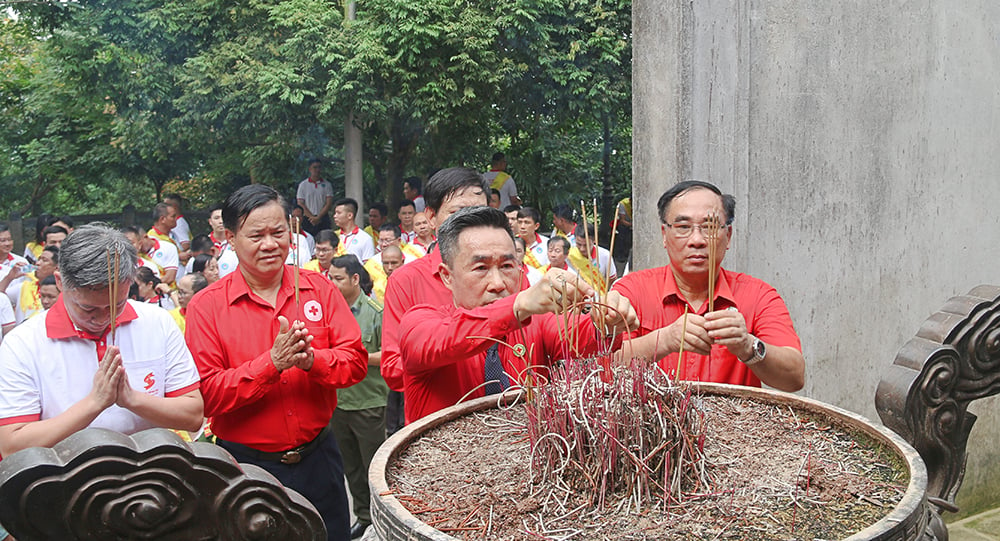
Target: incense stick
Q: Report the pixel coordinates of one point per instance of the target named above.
(711, 232)
(611, 252)
(113, 292)
(296, 228)
(680, 350)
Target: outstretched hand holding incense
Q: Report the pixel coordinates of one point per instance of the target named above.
(729, 328)
(556, 292)
(614, 315)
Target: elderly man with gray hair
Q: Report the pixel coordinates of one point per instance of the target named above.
(71, 368)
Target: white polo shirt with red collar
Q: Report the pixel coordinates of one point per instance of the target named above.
(314, 194)
(47, 365)
(8, 263)
(359, 243)
(165, 255)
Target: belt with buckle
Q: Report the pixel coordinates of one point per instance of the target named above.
(291, 456)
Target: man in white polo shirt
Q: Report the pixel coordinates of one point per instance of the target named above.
(71, 369)
(315, 196)
(352, 238)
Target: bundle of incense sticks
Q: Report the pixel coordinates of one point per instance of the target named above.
(113, 268)
(710, 229)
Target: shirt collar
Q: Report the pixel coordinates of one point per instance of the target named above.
(58, 324)
(434, 257)
(238, 287)
(356, 307)
(722, 289)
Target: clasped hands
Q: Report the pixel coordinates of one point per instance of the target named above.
(560, 290)
(292, 346)
(724, 327)
(111, 384)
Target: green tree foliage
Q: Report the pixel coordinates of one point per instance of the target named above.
(120, 96)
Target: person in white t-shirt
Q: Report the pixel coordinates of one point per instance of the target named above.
(73, 368)
(501, 181)
(181, 233)
(406, 213)
(12, 266)
(315, 196)
(352, 238)
(411, 191)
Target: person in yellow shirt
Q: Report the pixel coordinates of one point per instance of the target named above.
(187, 286)
(592, 262)
(25, 292)
(327, 245)
(377, 215)
(388, 237)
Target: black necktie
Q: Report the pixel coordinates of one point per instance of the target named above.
(494, 372)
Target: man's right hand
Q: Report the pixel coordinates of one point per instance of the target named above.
(109, 374)
(556, 292)
(291, 344)
(693, 334)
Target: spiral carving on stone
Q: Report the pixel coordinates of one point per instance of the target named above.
(984, 343)
(102, 485)
(261, 514)
(940, 375)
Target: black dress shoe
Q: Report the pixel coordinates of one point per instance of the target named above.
(358, 529)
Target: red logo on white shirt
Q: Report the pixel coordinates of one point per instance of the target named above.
(313, 311)
(149, 380)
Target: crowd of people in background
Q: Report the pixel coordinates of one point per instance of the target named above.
(348, 352)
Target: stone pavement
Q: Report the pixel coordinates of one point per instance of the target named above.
(982, 527)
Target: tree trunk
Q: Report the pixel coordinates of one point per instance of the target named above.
(607, 185)
(404, 140)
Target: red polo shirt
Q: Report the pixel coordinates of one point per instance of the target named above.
(230, 331)
(442, 362)
(658, 303)
(412, 284)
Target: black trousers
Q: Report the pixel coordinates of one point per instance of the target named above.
(320, 478)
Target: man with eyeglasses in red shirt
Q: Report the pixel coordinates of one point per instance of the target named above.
(748, 338)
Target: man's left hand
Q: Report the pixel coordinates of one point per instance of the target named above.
(729, 328)
(614, 314)
(306, 362)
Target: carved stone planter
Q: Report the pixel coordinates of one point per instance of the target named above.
(99, 484)
(906, 521)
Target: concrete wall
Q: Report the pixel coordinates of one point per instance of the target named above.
(862, 141)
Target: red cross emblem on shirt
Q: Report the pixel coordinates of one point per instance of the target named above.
(313, 311)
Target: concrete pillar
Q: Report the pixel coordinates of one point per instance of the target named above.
(860, 141)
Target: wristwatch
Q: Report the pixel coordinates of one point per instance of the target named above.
(759, 351)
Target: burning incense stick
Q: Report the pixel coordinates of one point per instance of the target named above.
(680, 350)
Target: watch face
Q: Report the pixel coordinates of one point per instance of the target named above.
(758, 348)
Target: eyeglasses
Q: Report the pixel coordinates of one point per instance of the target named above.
(683, 230)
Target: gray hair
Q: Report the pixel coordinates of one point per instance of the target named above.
(83, 256)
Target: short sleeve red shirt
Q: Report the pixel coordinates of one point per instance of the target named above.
(230, 331)
(658, 303)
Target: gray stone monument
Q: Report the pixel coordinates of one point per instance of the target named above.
(862, 142)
